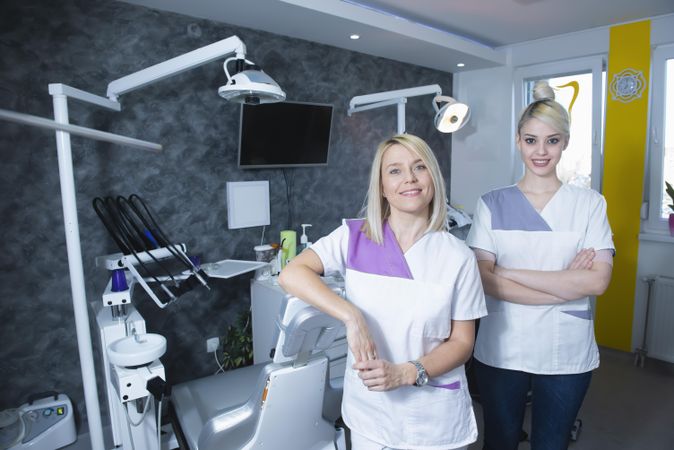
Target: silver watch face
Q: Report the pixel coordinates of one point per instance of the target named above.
(422, 378)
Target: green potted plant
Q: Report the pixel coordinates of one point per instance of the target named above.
(237, 343)
(670, 192)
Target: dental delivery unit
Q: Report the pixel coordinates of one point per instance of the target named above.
(291, 399)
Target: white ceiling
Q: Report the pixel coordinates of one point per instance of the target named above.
(433, 33)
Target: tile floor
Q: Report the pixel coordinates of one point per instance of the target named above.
(626, 408)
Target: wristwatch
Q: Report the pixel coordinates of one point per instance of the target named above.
(422, 376)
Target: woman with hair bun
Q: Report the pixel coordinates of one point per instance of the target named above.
(543, 248)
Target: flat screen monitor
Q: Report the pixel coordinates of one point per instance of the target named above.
(287, 134)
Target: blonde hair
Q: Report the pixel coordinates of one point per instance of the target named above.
(547, 110)
(376, 209)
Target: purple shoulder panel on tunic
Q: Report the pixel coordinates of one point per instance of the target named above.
(369, 257)
(510, 210)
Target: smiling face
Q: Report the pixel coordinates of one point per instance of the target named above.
(406, 182)
(540, 147)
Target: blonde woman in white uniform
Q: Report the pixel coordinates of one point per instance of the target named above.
(543, 248)
(413, 293)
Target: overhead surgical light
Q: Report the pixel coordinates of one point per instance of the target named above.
(451, 116)
(448, 119)
(250, 85)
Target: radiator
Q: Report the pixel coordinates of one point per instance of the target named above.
(659, 332)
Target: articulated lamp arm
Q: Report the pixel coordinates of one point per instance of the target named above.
(397, 97)
(370, 101)
(448, 119)
(176, 65)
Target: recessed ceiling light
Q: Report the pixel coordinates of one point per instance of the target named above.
(355, 36)
(460, 65)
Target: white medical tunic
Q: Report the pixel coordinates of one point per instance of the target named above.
(408, 301)
(541, 339)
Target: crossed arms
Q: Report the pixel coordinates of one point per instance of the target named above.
(581, 278)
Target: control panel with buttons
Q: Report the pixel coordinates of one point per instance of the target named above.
(49, 422)
(39, 420)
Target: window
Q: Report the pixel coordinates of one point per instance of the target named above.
(668, 160)
(661, 140)
(574, 92)
(578, 85)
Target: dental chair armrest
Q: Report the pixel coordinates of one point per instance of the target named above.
(309, 329)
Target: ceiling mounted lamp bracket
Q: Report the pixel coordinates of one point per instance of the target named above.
(448, 119)
(247, 85)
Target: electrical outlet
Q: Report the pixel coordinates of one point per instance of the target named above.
(212, 344)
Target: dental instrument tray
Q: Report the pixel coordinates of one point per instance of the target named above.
(228, 268)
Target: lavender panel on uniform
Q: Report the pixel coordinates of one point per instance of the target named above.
(367, 256)
(510, 210)
(584, 314)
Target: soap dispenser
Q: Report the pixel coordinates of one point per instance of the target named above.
(304, 241)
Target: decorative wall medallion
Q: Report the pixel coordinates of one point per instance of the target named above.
(628, 85)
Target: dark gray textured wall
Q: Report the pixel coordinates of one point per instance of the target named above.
(86, 44)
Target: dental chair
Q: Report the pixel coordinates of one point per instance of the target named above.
(289, 403)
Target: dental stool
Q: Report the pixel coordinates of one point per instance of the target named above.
(278, 405)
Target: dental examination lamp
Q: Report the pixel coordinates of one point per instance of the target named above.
(247, 85)
(449, 118)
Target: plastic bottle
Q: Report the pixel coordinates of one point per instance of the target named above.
(288, 246)
(304, 241)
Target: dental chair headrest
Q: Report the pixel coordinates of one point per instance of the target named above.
(309, 329)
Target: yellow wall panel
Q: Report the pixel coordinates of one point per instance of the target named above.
(624, 156)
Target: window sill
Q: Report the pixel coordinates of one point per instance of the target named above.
(656, 237)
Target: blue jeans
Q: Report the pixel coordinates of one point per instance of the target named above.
(556, 400)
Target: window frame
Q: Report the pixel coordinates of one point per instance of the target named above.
(653, 223)
(592, 64)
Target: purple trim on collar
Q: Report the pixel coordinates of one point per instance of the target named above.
(584, 314)
(510, 210)
(369, 257)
